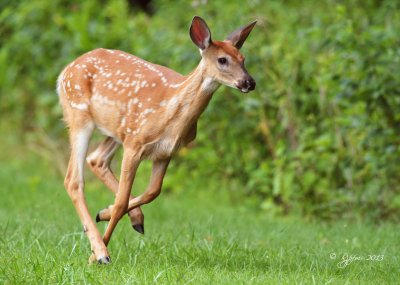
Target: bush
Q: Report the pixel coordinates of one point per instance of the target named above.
(319, 136)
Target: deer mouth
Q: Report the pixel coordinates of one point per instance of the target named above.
(244, 90)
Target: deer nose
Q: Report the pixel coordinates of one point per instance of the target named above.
(247, 84)
(251, 83)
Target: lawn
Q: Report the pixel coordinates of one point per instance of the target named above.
(193, 237)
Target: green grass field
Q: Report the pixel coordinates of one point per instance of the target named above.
(197, 237)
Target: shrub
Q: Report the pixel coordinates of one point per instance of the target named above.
(319, 136)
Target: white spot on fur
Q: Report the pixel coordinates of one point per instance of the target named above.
(79, 106)
(147, 111)
(164, 80)
(102, 100)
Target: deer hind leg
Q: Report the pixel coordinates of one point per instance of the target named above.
(99, 162)
(152, 191)
(74, 183)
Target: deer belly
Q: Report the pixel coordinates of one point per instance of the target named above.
(162, 149)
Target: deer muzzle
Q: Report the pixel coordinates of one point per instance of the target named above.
(247, 84)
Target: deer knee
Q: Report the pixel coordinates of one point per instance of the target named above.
(97, 164)
(151, 195)
(66, 182)
(75, 190)
(67, 179)
(91, 161)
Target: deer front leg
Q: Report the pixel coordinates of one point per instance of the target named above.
(99, 162)
(130, 163)
(152, 191)
(74, 184)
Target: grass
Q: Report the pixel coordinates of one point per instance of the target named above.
(197, 237)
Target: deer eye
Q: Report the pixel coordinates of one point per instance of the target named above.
(222, 60)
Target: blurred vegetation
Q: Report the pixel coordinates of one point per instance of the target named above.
(319, 136)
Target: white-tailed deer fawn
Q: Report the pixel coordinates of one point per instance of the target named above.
(149, 109)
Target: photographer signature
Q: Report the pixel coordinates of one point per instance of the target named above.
(348, 259)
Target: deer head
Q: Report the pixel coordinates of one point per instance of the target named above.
(222, 59)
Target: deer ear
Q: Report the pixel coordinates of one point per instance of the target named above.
(200, 33)
(238, 37)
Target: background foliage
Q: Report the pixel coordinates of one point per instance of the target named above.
(319, 136)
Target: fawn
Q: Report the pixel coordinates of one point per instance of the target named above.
(149, 109)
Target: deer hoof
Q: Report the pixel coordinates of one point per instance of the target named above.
(139, 228)
(104, 260)
(103, 215)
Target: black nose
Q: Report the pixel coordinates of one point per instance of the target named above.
(250, 83)
(247, 84)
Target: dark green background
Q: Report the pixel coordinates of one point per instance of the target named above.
(318, 138)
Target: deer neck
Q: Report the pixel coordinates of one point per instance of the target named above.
(193, 95)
